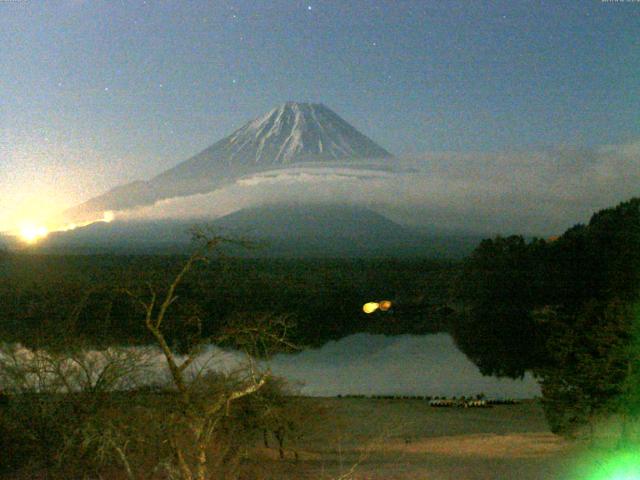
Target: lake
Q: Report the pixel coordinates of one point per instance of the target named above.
(404, 364)
(363, 364)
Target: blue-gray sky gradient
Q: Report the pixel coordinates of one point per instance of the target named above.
(95, 93)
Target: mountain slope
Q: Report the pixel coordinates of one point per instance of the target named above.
(319, 230)
(289, 134)
(302, 230)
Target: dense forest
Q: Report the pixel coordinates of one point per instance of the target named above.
(48, 296)
(564, 308)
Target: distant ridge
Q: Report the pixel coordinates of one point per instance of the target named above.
(289, 134)
(280, 231)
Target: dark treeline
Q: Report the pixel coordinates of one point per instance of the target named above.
(564, 308)
(94, 297)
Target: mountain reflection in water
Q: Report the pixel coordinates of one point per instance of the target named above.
(405, 364)
(358, 364)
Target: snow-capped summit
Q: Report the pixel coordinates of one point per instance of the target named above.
(290, 134)
(300, 131)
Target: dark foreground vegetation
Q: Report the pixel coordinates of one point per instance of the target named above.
(146, 433)
(565, 309)
(357, 438)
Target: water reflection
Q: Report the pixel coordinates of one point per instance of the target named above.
(358, 364)
(404, 364)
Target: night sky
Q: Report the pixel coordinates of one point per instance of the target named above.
(96, 93)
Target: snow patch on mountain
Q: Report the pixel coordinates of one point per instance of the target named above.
(291, 134)
(297, 131)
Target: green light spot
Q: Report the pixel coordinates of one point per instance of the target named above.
(618, 466)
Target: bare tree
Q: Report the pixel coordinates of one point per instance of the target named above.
(203, 403)
(51, 398)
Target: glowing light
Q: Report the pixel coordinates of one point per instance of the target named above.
(382, 305)
(370, 307)
(623, 465)
(31, 233)
(385, 305)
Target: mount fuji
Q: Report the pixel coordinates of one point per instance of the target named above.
(281, 151)
(289, 135)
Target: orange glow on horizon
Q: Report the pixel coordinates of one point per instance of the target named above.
(31, 232)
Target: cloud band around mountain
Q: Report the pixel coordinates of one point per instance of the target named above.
(525, 192)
